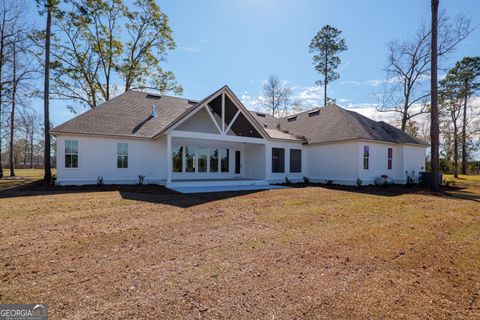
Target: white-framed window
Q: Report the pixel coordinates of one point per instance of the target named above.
(366, 157)
(278, 160)
(390, 158)
(202, 159)
(71, 153)
(122, 155)
(195, 159)
(213, 160)
(224, 160)
(190, 159)
(295, 160)
(177, 159)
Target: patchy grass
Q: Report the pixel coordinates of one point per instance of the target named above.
(299, 253)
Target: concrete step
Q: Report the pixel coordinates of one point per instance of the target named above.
(215, 183)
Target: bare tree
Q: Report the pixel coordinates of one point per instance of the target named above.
(30, 125)
(408, 67)
(8, 17)
(22, 71)
(434, 122)
(451, 99)
(276, 97)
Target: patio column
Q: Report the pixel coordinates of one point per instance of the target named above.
(169, 158)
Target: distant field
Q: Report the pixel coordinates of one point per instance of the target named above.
(142, 252)
(22, 177)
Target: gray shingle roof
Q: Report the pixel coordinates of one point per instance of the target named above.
(129, 114)
(333, 123)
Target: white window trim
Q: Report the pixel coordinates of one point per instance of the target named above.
(65, 154)
(119, 155)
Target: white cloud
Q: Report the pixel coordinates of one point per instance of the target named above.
(375, 82)
(189, 49)
(351, 82)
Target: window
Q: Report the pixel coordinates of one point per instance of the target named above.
(202, 159)
(190, 159)
(278, 160)
(122, 155)
(177, 159)
(295, 160)
(366, 156)
(214, 160)
(390, 156)
(71, 154)
(224, 159)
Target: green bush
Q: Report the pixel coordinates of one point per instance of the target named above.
(359, 182)
(306, 180)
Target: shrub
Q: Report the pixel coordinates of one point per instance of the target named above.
(53, 181)
(141, 179)
(328, 182)
(100, 181)
(306, 180)
(359, 182)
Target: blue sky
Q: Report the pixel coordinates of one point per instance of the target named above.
(241, 42)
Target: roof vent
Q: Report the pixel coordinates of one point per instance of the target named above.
(314, 113)
(153, 96)
(261, 115)
(154, 111)
(292, 119)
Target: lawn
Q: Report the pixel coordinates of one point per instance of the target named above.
(22, 177)
(301, 253)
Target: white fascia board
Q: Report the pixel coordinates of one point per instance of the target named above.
(217, 137)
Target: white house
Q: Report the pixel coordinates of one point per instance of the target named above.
(217, 141)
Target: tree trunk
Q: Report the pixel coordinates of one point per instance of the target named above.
(12, 114)
(455, 148)
(434, 125)
(404, 119)
(25, 151)
(1, 94)
(31, 151)
(325, 76)
(46, 90)
(464, 131)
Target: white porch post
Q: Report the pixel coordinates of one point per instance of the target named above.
(169, 158)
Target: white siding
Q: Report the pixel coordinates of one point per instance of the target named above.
(254, 161)
(200, 122)
(277, 177)
(378, 161)
(337, 162)
(414, 159)
(98, 157)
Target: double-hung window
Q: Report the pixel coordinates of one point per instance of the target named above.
(278, 160)
(366, 157)
(71, 154)
(122, 155)
(295, 160)
(390, 158)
